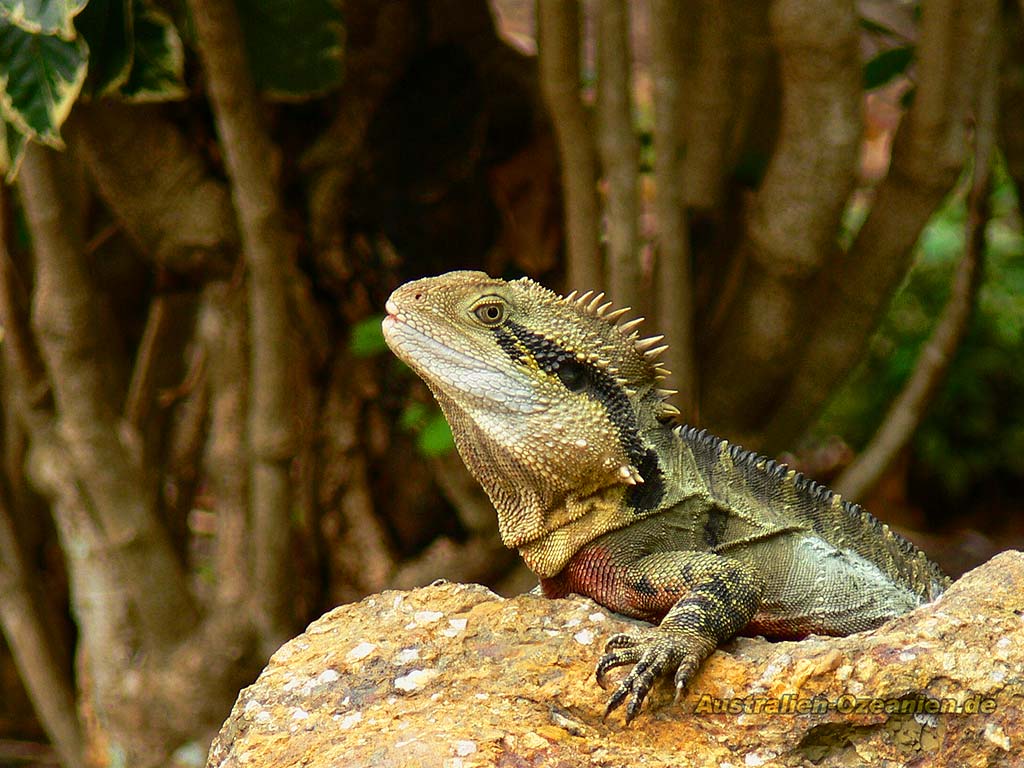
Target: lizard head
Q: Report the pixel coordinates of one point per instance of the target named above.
(547, 396)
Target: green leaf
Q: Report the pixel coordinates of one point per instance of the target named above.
(413, 417)
(40, 78)
(435, 439)
(158, 69)
(47, 17)
(887, 66)
(294, 46)
(106, 26)
(367, 337)
(12, 149)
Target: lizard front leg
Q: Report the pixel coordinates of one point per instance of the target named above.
(705, 600)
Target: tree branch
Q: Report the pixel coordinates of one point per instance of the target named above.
(343, 480)
(619, 150)
(908, 409)
(797, 211)
(24, 626)
(251, 161)
(1011, 99)
(157, 185)
(706, 121)
(928, 154)
(34, 655)
(140, 389)
(66, 326)
(221, 331)
(675, 279)
(559, 53)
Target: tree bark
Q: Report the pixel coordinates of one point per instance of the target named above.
(559, 53)
(158, 186)
(703, 48)
(221, 331)
(675, 280)
(797, 212)
(99, 445)
(251, 161)
(909, 408)
(34, 655)
(619, 150)
(928, 155)
(24, 624)
(1011, 101)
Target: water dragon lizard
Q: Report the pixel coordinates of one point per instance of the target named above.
(556, 407)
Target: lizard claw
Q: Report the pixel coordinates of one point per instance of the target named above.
(653, 655)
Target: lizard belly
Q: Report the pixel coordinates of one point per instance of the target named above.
(817, 588)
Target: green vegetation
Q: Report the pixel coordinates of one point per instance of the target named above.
(972, 439)
(51, 53)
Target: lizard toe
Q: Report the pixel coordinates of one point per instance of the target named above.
(612, 659)
(624, 640)
(684, 673)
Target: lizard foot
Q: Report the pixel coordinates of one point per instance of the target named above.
(653, 654)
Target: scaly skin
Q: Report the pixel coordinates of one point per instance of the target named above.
(555, 407)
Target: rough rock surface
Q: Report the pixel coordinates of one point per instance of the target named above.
(452, 675)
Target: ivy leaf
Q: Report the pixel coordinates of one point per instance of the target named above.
(887, 66)
(294, 46)
(158, 68)
(46, 17)
(12, 149)
(106, 26)
(40, 78)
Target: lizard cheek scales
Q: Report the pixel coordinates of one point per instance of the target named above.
(555, 407)
(599, 386)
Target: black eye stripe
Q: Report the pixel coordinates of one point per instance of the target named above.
(507, 342)
(600, 386)
(573, 375)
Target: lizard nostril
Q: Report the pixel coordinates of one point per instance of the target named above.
(418, 296)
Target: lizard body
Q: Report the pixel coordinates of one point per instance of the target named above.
(555, 406)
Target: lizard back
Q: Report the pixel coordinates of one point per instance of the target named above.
(739, 477)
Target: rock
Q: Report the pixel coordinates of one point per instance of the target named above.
(453, 675)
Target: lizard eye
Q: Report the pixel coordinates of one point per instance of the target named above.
(490, 314)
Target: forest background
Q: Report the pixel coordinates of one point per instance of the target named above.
(204, 443)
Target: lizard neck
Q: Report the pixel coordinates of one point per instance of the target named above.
(576, 521)
(548, 514)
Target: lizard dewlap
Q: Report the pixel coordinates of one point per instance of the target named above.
(556, 407)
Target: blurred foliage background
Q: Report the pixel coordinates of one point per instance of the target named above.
(205, 443)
